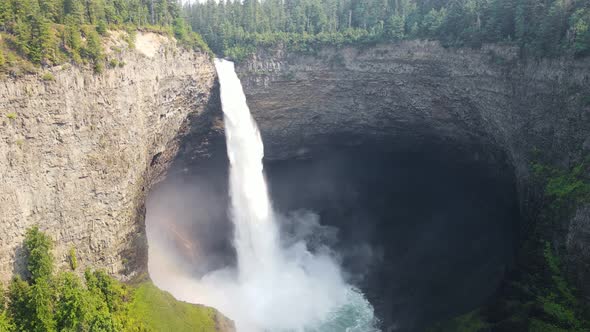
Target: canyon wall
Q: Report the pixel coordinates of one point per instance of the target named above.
(482, 103)
(79, 151)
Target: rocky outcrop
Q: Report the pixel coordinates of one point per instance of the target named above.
(481, 103)
(79, 152)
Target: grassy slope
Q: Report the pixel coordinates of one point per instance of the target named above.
(159, 311)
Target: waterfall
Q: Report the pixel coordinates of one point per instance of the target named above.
(277, 285)
(256, 238)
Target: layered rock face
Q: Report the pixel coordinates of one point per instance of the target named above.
(79, 153)
(478, 104)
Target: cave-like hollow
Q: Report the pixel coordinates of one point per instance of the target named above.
(427, 231)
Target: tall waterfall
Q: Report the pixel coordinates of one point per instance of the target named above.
(278, 285)
(256, 237)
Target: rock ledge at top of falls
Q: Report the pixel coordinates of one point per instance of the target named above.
(483, 102)
(78, 154)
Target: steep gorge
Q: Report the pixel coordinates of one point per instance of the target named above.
(81, 153)
(459, 106)
(485, 104)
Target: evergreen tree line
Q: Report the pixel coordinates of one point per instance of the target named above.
(50, 32)
(540, 27)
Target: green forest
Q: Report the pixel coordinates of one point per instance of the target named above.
(540, 27)
(50, 32)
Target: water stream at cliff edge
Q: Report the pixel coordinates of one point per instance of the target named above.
(276, 286)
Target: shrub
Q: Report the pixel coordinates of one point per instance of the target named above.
(129, 37)
(73, 259)
(98, 67)
(38, 248)
(48, 77)
(41, 306)
(101, 28)
(19, 310)
(5, 323)
(74, 307)
(11, 115)
(113, 63)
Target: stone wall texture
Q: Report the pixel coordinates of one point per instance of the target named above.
(418, 92)
(78, 153)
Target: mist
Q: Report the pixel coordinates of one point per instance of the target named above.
(279, 282)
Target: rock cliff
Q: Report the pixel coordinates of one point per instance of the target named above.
(79, 151)
(481, 103)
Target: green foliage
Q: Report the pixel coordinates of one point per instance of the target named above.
(113, 63)
(558, 302)
(395, 27)
(74, 309)
(5, 322)
(2, 59)
(49, 32)
(93, 50)
(63, 302)
(130, 38)
(580, 23)
(38, 247)
(537, 296)
(112, 292)
(48, 77)
(101, 28)
(565, 188)
(547, 28)
(11, 115)
(41, 306)
(73, 259)
(19, 310)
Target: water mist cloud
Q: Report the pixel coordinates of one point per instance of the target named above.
(286, 278)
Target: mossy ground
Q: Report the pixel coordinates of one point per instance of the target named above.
(157, 310)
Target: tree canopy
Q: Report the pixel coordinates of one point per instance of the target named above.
(540, 27)
(49, 32)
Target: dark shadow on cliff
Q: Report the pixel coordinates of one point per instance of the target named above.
(427, 233)
(186, 220)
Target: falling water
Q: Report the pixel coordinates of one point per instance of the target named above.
(275, 287)
(256, 238)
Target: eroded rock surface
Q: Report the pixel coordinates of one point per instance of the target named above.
(481, 103)
(78, 154)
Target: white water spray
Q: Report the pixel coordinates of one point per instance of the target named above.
(275, 287)
(255, 239)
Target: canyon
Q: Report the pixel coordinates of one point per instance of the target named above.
(80, 153)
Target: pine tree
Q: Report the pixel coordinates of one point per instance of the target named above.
(93, 49)
(38, 247)
(19, 311)
(395, 26)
